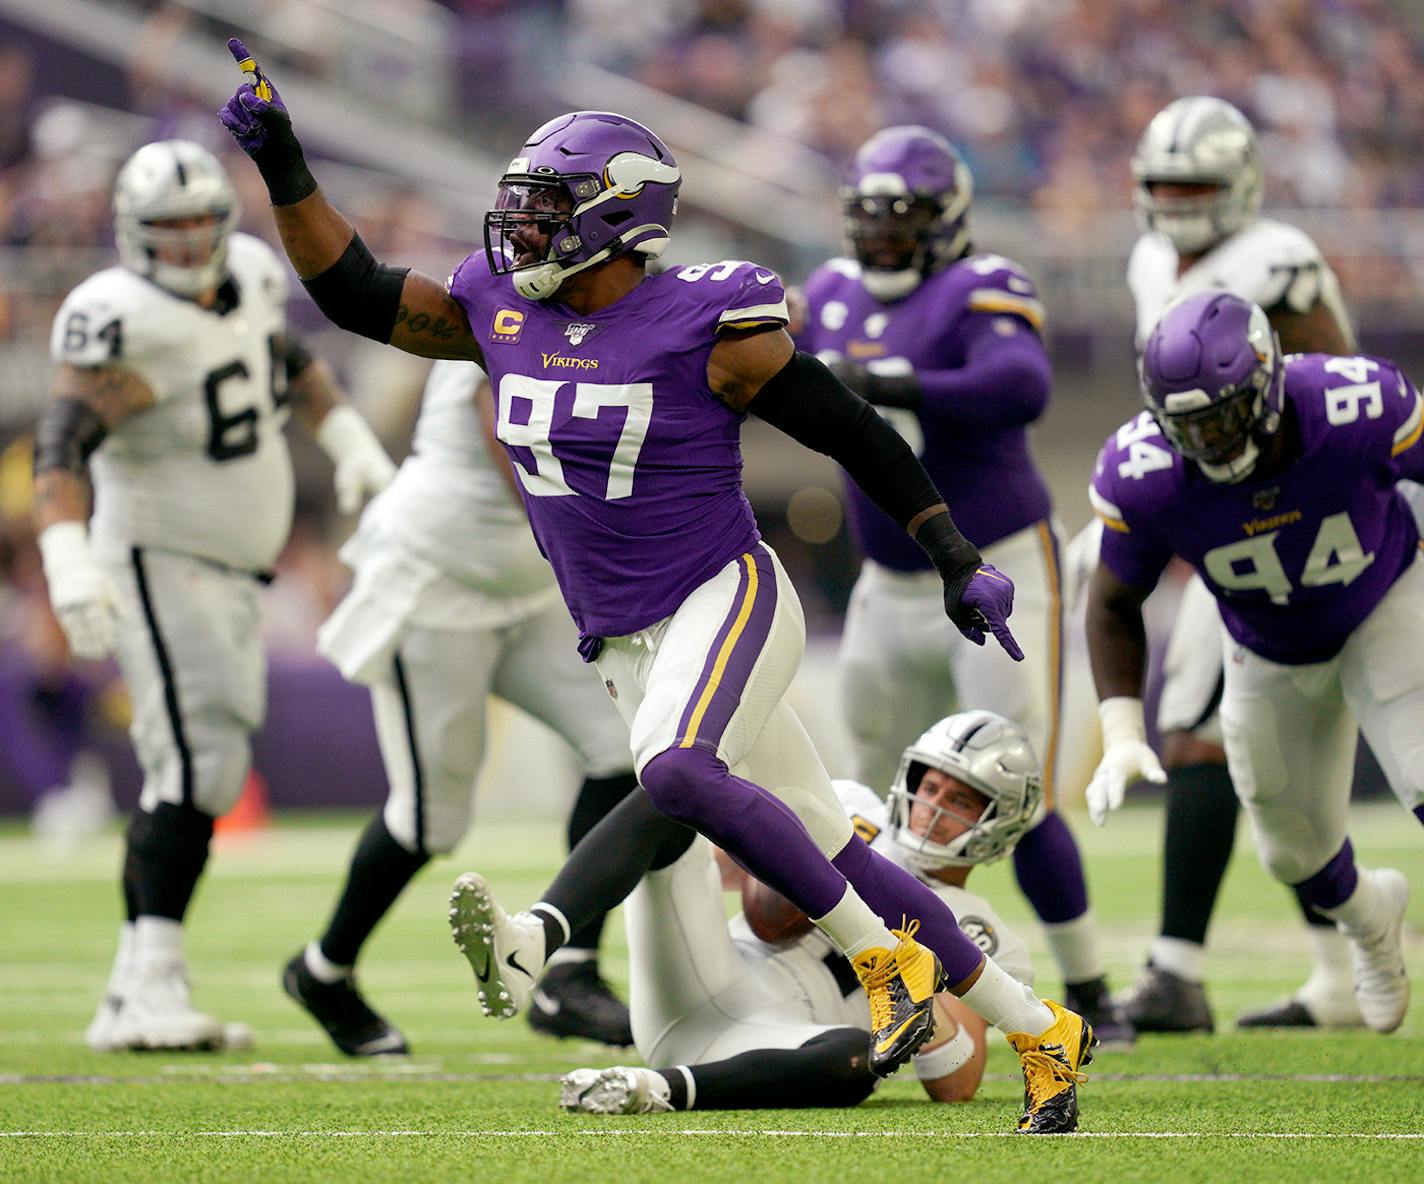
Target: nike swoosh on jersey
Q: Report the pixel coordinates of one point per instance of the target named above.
(764, 279)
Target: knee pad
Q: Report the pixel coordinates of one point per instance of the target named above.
(221, 758)
(682, 783)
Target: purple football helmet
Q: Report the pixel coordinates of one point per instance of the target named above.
(585, 187)
(906, 204)
(1213, 378)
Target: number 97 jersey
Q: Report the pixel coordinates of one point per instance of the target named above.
(205, 470)
(629, 465)
(1296, 559)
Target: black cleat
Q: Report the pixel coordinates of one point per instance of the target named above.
(1288, 1013)
(1090, 999)
(1161, 1001)
(1052, 1065)
(338, 1007)
(570, 999)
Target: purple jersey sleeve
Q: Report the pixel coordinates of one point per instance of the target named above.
(1136, 476)
(1001, 288)
(738, 294)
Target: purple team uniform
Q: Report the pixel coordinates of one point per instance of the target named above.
(645, 510)
(1296, 560)
(975, 443)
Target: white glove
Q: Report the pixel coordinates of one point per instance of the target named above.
(1126, 757)
(85, 598)
(362, 467)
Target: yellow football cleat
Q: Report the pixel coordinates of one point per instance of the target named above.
(900, 985)
(1051, 1061)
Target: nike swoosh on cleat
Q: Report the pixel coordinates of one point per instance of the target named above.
(895, 1035)
(483, 973)
(514, 963)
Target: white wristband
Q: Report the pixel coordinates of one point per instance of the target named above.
(940, 1062)
(342, 431)
(1122, 720)
(64, 546)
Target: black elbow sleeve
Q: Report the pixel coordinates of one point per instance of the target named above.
(807, 402)
(67, 434)
(358, 294)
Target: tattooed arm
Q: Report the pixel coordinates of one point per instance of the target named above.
(86, 403)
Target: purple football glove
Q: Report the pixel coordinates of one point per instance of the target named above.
(242, 115)
(259, 122)
(984, 602)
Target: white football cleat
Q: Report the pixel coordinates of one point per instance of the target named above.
(105, 1031)
(1381, 980)
(156, 1011)
(506, 953)
(620, 1090)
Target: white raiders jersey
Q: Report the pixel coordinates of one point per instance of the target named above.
(1268, 262)
(205, 471)
(450, 503)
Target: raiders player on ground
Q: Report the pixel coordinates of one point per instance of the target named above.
(175, 376)
(1198, 189)
(452, 602)
(725, 1020)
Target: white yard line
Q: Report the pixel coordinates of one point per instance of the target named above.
(652, 1131)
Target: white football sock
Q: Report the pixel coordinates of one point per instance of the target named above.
(322, 968)
(1333, 969)
(1075, 948)
(1176, 955)
(123, 959)
(158, 939)
(567, 955)
(854, 927)
(1007, 1003)
(1357, 914)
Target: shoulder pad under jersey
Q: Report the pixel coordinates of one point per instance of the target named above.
(735, 294)
(113, 316)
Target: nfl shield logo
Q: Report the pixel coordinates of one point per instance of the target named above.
(1265, 499)
(577, 332)
(612, 690)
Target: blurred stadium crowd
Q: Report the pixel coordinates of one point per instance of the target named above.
(1045, 98)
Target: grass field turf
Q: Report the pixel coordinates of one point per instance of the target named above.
(476, 1101)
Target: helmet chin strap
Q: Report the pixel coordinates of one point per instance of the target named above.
(891, 285)
(1236, 469)
(541, 282)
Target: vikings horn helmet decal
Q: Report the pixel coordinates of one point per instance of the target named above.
(1213, 378)
(585, 187)
(905, 207)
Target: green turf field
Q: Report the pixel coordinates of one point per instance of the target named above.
(476, 1100)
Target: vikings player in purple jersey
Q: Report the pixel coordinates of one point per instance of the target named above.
(620, 398)
(1274, 477)
(945, 344)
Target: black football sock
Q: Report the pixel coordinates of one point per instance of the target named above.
(831, 1069)
(597, 796)
(380, 870)
(167, 851)
(1201, 830)
(633, 839)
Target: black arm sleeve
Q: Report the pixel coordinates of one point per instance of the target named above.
(68, 432)
(294, 355)
(806, 401)
(359, 294)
